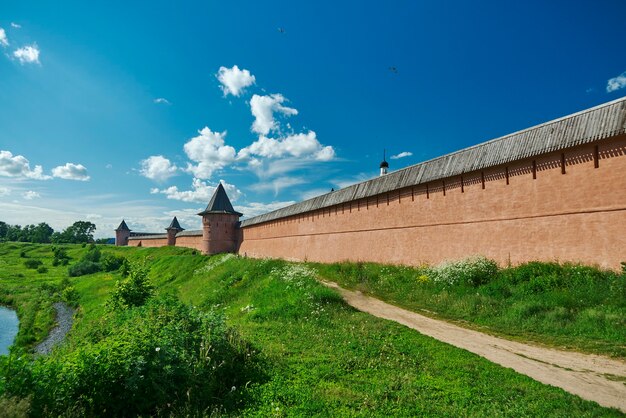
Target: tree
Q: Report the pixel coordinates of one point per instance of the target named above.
(4, 229)
(79, 232)
(40, 233)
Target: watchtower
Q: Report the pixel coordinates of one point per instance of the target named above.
(122, 233)
(172, 230)
(219, 224)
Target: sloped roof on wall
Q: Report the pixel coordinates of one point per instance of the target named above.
(219, 203)
(599, 122)
(193, 233)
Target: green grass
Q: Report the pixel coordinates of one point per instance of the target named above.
(567, 306)
(319, 356)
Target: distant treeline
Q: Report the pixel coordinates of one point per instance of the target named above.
(79, 232)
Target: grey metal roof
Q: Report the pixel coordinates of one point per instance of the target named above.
(148, 236)
(598, 122)
(175, 225)
(194, 233)
(219, 203)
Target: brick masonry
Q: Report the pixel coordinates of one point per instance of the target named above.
(533, 209)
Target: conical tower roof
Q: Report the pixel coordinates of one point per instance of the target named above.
(123, 227)
(175, 225)
(220, 203)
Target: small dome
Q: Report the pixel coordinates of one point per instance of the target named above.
(384, 164)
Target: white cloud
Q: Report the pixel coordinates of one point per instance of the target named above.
(4, 41)
(4, 191)
(28, 54)
(201, 192)
(18, 166)
(15, 25)
(314, 193)
(298, 145)
(161, 100)
(210, 153)
(157, 168)
(71, 171)
(278, 184)
(401, 155)
(263, 109)
(30, 195)
(234, 81)
(253, 209)
(616, 83)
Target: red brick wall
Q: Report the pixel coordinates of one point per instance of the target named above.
(146, 242)
(190, 242)
(578, 216)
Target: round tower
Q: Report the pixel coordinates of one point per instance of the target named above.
(172, 230)
(122, 233)
(384, 165)
(219, 224)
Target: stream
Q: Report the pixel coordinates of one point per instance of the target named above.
(8, 329)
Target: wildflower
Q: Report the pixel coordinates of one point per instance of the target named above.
(157, 349)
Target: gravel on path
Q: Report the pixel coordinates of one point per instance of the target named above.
(592, 377)
(64, 319)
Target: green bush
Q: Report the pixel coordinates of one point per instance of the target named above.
(473, 271)
(70, 296)
(60, 256)
(84, 267)
(139, 362)
(111, 262)
(32, 263)
(135, 290)
(125, 268)
(42, 269)
(93, 254)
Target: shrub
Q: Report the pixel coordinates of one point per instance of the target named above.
(42, 269)
(125, 268)
(135, 290)
(70, 296)
(83, 267)
(60, 256)
(93, 254)
(22, 254)
(14, 407)
(111, 262)
(32, 264)
(473, 271)
(144, 361)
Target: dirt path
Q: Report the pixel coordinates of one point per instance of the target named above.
(591, 377)
(64, 315)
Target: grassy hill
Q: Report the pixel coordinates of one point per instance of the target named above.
(232, 336)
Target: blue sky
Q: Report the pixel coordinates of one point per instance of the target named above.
(111, 110)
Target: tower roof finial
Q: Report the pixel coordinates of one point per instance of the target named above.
(384, 163)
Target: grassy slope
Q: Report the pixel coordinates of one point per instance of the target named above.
(321, 357)
(565, 306)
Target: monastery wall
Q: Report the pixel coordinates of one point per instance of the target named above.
(147, 242)
(190, 241)
(532, 209)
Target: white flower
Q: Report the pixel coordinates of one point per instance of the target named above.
(157, 349)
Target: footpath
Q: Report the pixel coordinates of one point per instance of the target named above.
(592, 377)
